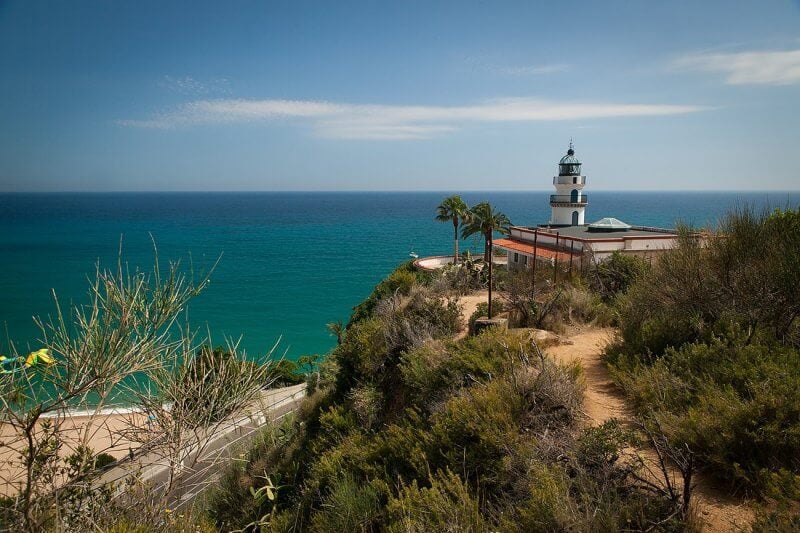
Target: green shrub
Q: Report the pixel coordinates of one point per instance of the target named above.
(737, 405)
(348, 506)
(547, 505)
(409, 430)
(477, 428)
(367, 403)
(780, 510)
(398, 282)
(447, 505)
(570, 304)
(614, 275)
(102, 460)
(286, 373)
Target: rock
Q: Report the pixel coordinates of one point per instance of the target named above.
(484, 322)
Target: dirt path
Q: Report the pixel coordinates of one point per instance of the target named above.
(469, 304)
(603, 401)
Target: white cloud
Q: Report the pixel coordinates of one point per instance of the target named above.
(189, 85)
(392, 122)
(747, 68)
(534, 70)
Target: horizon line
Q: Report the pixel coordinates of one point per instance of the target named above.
(394, 191)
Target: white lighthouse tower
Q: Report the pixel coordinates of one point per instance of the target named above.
(569, 202)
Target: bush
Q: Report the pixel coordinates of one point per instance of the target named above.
(461, 279)
(376, 446)
(447, 505)
(348, 506)
(422, 316)
(103, 459)
(781, 508)
(615, 275)
(398, 282)
(708, 345)
(571, 304)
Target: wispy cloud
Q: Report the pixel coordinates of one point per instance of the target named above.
(191, 86)
(393, 122)
(533, 70)
(747, 68)
(498, 66)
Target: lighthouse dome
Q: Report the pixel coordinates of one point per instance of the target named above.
(569, 164)
(570, 158)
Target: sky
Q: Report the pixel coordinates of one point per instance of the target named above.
(401, 95)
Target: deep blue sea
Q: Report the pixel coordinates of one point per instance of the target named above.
(290, 262)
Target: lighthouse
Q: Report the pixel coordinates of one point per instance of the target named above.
(569, 202)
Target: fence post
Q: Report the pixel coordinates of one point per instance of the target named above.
(555, 263)
(571, 249)
(535, 236)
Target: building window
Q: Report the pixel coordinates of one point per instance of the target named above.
(575, 179)
(525, 260)
(516, 257)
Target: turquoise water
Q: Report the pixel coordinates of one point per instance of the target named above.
(290, 262)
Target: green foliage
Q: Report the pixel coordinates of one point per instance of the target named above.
(414, 431)
(781, 508)
(286, 372)
(709, 346)
(197, 380)
(599, 447)
(447, 505)
(103, 459)
(467, 276)
(615, 275)
(484, 220)
(568, 305)
(348, 506)
(746, 275)
(398, 282)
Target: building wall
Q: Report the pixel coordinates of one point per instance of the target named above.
(601, 249)
(563, 215)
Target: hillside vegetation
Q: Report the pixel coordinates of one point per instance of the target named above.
(710, 353)
(408, 430)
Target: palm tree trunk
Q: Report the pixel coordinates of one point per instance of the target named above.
(455, 239)
(490, 275)
(486, 249)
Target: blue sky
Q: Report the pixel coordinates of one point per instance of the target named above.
(131, 96)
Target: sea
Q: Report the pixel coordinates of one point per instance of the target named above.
(287, 263)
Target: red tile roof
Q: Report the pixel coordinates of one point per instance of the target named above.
(527, 248)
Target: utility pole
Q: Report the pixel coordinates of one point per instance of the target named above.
(490, 275)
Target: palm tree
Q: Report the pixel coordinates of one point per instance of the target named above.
(483, 219)
(452, 209)
(336, 329)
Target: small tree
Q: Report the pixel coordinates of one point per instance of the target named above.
(191, 399)
(337, 330)
(125, 329)
(452, 209)
(484, 220)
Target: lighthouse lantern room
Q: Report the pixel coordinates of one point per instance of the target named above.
(569, 202)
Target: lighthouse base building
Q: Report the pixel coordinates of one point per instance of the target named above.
(566, 237)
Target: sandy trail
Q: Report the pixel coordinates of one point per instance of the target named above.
(469, 304)
(603, 401)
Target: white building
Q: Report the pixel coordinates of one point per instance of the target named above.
(569, 202)
(568, 238)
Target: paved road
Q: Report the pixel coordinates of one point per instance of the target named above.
(207, 464)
